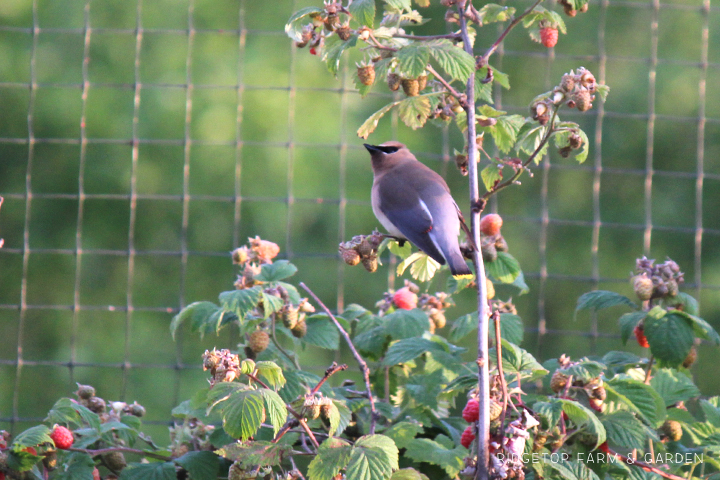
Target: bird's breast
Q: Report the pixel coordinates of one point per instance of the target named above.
(384, 221)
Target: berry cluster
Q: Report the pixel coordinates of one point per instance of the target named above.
(656, 281)
(362, 248)
(407, 298)
(569, 7)
(323, 25)
(576, 89)
(590, 390)
(492, 240)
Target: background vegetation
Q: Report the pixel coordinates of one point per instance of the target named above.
(263, 143)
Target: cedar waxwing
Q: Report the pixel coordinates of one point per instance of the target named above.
(413, 202)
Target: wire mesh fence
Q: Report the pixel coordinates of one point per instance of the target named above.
(140, 142)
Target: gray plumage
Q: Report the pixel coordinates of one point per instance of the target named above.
(413, 202)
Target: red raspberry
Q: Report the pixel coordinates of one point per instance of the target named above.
(405, 299)
(2, 476)
(490, 224)
(640, 336)
(596, 404)
(62, 437)
(604, 447)
(96, 474)
(549, 36)
(471, 412)
(313, 51)
(467, 437)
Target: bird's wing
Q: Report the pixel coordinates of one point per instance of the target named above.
(402, 205)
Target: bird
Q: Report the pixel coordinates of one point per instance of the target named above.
(413, 202)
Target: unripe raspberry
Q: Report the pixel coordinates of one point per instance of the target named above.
(50, 460)
(691, 357)
(62, 437)
(115, 461)
(136, 410)
(495, 410)
(289, 316)
(236, 472)
(539, 442)
(576, 141)
(599, 393)
(258, 341)
(366, 74)
(672, 287)
(489, 252)
(410, 86)
(490, 224)
(672, 429)
(366, 247)
(639, 332)
(558, 381)
(568, 83)
(405, 299)
(569, 10)
(596, 404)
(422, 82)
(490, 289)
(500, 244)
(325, 409)
(370, 263)
(438, 317)
(240, 255)
(393, 81)
(583, 99)
(344, 33)
(96, 474)
(584, 8)
(311, 409)
(549, 36)
(300, 329)
(643, 287)
(85, 391)
(467, 437)
(471, 412)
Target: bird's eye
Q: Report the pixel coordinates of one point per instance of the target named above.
(388, 150)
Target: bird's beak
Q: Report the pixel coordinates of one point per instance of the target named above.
(372, 148)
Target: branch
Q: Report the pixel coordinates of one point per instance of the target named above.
(363, 365)
(256, 379)
(484, 59)
(503, 383)
(449, 36)
(649, 370)
(644, 466)
(461, 98)
(332, 370)
(103, 451)
(309, 432)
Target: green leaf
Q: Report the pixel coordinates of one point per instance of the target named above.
(409, 349)
(395, 248)
(585, 370)
(241, 302)
(423, 268)
(491, 12)
(511, 328)
(333, 455)
(500, 78)
(257, 452)
(31, 437)
(504, 269)
(670, 338)
(456, 62)
(200, 465)
(628, 322)
(406, 323)
(276, 409)
(408, 473)
(272, 373)
(197, 313)
(518, 361)
(321, 332)
(241, 408)
(620, 359)
(414, 111)
(413, 59)
(402, 433)
(345, 416)
(295, 23)
(602, 91)
(271, 304)
(399, 4)
(673, 386)
(68, 412)
(582, 153)
(624, 430)
(582, 416)
(638, 397)
(684, 302)
(505, 131)
(363, 11)
(273, 272)
(21, 461)
(549, 412)
(701, 328)
(491, 175)
(483, 91)
(149, 471)
(462, 326)
(371, 123)
(76, 466)
(529, 138)
(599, 299)
(433, 452)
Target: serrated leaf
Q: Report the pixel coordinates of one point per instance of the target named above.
(483, 91)
(518, 361)
(271, 373)
(21, 461)
(241, 302)
(242, 409)
(294, 25)
(620, 359)
(433, 452)
(333, 455)
(408, 474)
(600, 299)
(501, 78)
(685, 302)
(321, 332)
(363, 11)
(491, 12)
(68, 412)
(259, 453)
(585, 370)
(149, 471)
(511, 328)
(670, 338)
(200, 465)
(424, 268)
(455, 61)
(197, 313)
(701, 328)
(273, 272)
(334, 48)
(275, 408)
(412, 60)
(673, 386)
(628, 322)
(414, 111)
(530, 137)
(381, 443)
(371, 123)
(550, 413)
(582, 153)
(345, 416)
(402, 433)
(504, 268)
(491, 175)
(409, 349)
(602, 91)
(31, 437)
(271, 304)
(624, 430)
(454, 285)
(639, 398)
(406, 323)
(399, 4)
(402, 252)
(76, 466)
(583, 417)
(462, 326)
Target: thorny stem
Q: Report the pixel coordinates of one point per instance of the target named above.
(503, 383)
(449, 36)
(257, 380)
(103, 451)
(292, 359)
(363, 365)
(483, 60)
(483, 435)
(453, 92)
(634, 462)
(332, 370)
(309, 432)
(648, 371)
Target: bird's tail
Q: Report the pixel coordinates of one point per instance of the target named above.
(458, 266)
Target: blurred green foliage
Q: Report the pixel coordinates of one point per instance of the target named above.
(265, 135)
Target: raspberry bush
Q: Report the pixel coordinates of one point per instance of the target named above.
(422, 406)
